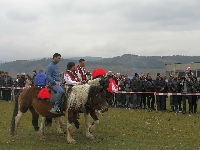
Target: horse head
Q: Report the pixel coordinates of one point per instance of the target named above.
(103, 83)
(97, 99)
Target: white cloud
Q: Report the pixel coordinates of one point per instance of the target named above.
(106, 28)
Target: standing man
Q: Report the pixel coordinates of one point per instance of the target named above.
(54, 80)
(143, 96)
(187, 88)
(7, 82)
(150, 87)
(81, 71)
(1, 83)
(160, 86)
(136, 86)
(34, 75)
(171, 90)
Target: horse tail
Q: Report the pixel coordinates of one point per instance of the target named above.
(12, 129)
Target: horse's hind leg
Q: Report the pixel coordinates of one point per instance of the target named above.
(35, 117)
(69, 128)
(17, 120)
(59, 131)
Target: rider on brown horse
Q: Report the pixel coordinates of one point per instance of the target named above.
(55, 81)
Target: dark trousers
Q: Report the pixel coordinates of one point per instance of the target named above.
(161, 102)
(3, 94)
(150, 100)
(171, 101)
(175, 102)
(143, 101)
(7, 94)
(136, 100)
(120, 98)
(1, 97)
(179, 97)
(194, 104)
(128, 100)
(189, 97)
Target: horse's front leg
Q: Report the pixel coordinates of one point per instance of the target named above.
(87, 125)
(93, 114)
(41, 129)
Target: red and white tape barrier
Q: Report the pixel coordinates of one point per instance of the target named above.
(125, 92)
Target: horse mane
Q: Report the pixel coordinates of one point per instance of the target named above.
(92, 92)
(94, 82)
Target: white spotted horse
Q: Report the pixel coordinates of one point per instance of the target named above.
(87, 98)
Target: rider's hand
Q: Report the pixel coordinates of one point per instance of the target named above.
(58, 83)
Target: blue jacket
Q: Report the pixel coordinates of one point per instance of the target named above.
(53, 74)
(40, 79)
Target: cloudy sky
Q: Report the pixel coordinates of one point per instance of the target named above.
(107, 28)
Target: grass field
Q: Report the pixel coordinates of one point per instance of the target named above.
(119, 128)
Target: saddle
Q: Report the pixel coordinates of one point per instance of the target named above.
(48, 94)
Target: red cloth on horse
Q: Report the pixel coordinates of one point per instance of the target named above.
(113, 87)
(44, 94)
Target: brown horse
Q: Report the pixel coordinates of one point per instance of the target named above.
(87, 98)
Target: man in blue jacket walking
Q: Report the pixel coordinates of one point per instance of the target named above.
(54, 80)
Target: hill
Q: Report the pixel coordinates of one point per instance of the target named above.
(125, 64)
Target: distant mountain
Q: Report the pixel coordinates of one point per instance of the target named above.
(125, 64)
(87, 58)
(1, 61)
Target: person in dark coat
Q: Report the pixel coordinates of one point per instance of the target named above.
(22, 80)
(143, 96)
(150, 87)
(195, 89)
(160, 86)
(136, 86)
(1, 84)
(174, 88)
(7, 82)
(186, 88)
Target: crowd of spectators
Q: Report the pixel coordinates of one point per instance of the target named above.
(138, 83)
(22, 80)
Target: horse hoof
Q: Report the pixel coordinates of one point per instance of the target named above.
(72, 142)
(91, 129)
(61, 133)
(43, 139)
(15, 137)
(90, 137)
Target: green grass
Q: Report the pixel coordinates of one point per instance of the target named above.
(118, 129)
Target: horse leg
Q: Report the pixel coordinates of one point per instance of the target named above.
(92, 128)
(59, 131)
(62, 123)
(17, 120)
(35, 117)
(87, 124)
(42, 125)
(69, 128)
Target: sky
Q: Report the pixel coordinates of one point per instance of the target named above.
(100, 28)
